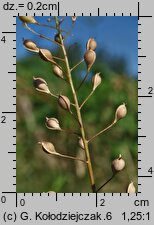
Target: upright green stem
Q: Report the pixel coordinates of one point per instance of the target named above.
(77, 107)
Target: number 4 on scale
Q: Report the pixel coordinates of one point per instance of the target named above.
(3, 39)
(150, 170)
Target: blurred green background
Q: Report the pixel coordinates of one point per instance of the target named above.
(39, 172)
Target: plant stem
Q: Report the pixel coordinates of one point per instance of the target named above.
(70, 157)
(102, 131)
(88, 159)
(86, 99)
(83, 80)
(105, 183)
(77, 64)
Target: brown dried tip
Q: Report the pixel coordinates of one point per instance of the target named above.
(46, 55)
(120, 112)
(64, 102)
(30, 46)
(91, 44)
(74, 18)
(57, 71)
(58, 39)
(96, 80)
(89, 57)
(52, 123)
(40, 85)
(28, 19)
(118, 164)
(131, 188)
(48, 147)
(81, 144)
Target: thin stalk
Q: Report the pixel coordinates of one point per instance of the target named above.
(86, 99)
(88, 159)
(70, 157)
(102, 131)
(105, 183)
(83, 80)
(55, 57)
(77, 65)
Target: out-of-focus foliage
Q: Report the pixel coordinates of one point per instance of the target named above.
(38, 172)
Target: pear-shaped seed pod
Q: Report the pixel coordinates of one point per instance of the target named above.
(57, 71)
(91, 44)
(118, 164)
(48, 147)
(96, 80)
(89, 57)
(52, 123)
(57, 38)
(120, 112)
(40, 85)
(28, 19)
(64, 102)
(30, 46)
(46, 55)
(81, 144)
(74, 18)
(131, 188)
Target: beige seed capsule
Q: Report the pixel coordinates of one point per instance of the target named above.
(28, 19)
(91, 44)
(81, 144)
(96, 80)
(120, 112)
(89, 57)
(40, 85)
(57, 71)
(74, 18)
(30, 46)
(48, 147)
(118, 164)
(52, 123)
(64, 102)
(131, 188)
(46, 55)
(58, 39)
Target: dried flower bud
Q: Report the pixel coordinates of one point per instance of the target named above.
(30, 46)
(40, 85)
(131, 188)
(118, 164)
(74, 18)
(89, 57)
(46, 55)
(28, 19)
(120, 112)
(58, 39)
(57, 71)
(48, 147)
(64, 102)
(91, 44)
(81, 144)
(96, 80)
(52, 123)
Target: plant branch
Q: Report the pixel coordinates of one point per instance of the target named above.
(105, 183)
(83, 80)
(102, 131)
(77, 65)
(70, 157)
(88, 159)
(86, 99)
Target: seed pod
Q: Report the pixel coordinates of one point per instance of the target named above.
(64, 102)
(40, 85)
(74, 18)
(81, 144)
(89, 57)
(120, 112)
(118, 164)
(57, 38)
(48, 147)
(91, 44)
(28, 19)
(57, 71)
(96, 80)
(52, 123)
(30, 46)
(46, 55)
(131, 188)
